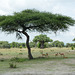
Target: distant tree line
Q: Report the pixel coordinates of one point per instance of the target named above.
(57, 43)
(5, 44)
(48, 44)
(40, 41)
(70, 44)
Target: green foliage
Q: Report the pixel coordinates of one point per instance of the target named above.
(34, 20)
(32, 44)
(51, 45)
(60, 45)
(38, 44)
(57, 44)
(42, 39)
(20, 53)
(12, 65)
(46, 45)
(16, 59)
(17, 45)
(20, 46)
(70, 44)
(4, 44)
(72, 48)
(2, 59)
(1, 53)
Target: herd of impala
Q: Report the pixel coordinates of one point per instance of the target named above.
(46, 55)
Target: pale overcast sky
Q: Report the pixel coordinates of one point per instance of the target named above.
(64, 7)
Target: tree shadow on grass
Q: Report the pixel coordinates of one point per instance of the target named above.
(53, 58)
(40, 59)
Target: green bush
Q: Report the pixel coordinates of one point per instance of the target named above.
(72, 48)
(16, 59)
(12, 65)
(32, 44)
(2, 59)
(20, 46)
(1, 53)
(46, 45)
(20, 53)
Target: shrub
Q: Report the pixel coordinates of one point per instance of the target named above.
(20, 46)
(1, 53)
(20, 53)
(72, 48)
(32, 44)
(18, 59)
(2, 59)
(12, 65)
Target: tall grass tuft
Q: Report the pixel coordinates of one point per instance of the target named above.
(12, 65)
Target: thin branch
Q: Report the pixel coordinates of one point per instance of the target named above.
(18, 31)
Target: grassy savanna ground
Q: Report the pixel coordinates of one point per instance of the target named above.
(51, 65)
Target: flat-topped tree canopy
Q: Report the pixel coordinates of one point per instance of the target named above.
(34, 20)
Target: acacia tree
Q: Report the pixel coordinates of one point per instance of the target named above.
(42, 39)
(33, 20)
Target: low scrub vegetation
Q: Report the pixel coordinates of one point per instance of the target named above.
(12, 65)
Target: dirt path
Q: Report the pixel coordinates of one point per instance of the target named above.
(63, 67)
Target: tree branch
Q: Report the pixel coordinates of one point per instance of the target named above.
(18, 31)
(14, 30)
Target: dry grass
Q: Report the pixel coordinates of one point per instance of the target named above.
(16, 52)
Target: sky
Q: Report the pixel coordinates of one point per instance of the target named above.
(64, 7)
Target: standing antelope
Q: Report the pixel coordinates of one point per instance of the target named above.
(62, 54)
(56, 54)
(45, 55)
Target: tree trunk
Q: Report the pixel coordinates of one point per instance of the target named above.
(42, 44)
(27, 44)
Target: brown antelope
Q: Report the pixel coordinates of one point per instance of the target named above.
(62, 54)
(45, 55)
(56, 54)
